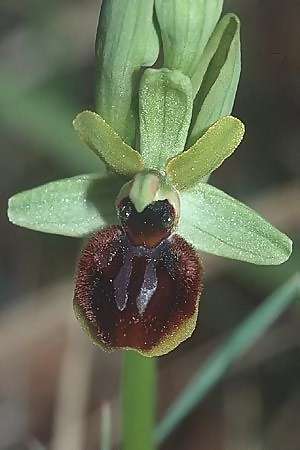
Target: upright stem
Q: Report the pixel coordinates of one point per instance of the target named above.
(138, 401)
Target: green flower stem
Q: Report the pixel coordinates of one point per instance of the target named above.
(138, 401)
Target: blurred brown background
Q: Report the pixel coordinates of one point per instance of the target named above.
(53, 383)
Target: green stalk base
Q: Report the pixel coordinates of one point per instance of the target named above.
(138, 401)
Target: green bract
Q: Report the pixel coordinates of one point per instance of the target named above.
(219, 74)
(186, 27)
(126, 41)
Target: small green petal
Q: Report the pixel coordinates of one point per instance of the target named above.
(166, 103)
(208, 153)
(75, 206)
(185, 28)
(107, 144)
(216, 223)
(126, 41)
(219, 74)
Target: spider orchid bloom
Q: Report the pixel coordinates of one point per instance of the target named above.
(138, 284)
(149, 212)
(139, 278)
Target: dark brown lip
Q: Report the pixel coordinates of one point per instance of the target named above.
(173, 301)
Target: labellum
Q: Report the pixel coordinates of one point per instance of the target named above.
(138, 284)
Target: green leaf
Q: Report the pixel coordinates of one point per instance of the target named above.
(208, 153)
(138, 401)
(216, 223)
(106, 143)
(185, 28)
(243, 337)
(126, 41)
(165, 113)
(75, 206)
(219, 74)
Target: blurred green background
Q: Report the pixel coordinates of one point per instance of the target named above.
(54, 386)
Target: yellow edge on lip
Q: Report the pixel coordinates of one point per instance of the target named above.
(169, 343)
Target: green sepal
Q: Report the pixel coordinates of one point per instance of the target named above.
(126, 41)
(208, 153)
(185, 29)
(216, 223)
(219, 74)
(107, 144)
(166, 103)
(76, 206)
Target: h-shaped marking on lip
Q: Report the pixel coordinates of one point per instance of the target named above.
(122, 280)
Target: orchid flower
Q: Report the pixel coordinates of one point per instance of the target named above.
(149, 212)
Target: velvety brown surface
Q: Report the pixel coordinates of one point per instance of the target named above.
(178, 272)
